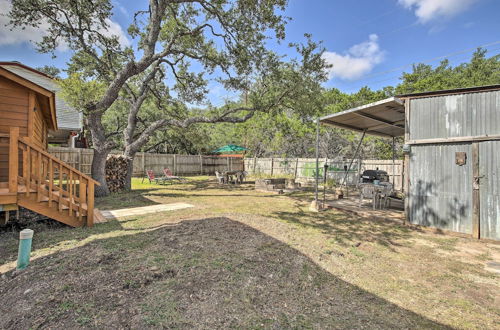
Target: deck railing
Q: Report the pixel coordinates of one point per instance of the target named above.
(33, 170)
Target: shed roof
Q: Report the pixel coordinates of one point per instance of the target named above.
(382, 118)
(67, 117)
(386, 118)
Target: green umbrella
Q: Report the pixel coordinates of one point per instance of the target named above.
(229, 148)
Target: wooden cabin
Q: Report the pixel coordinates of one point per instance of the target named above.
(29, 176)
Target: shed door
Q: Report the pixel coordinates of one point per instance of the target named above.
(441, 190)
(489, 189)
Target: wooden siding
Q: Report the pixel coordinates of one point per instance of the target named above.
(16, 110)
(39, 132)
(14, 101)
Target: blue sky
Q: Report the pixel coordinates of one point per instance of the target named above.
(369, 42)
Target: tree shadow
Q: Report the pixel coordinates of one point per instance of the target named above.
(347, 229)
(427, 208)
(213, 273)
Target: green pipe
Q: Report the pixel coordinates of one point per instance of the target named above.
(23, 257)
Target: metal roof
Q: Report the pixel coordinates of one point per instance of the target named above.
(67, 117)
(384, 118)
(463, 90)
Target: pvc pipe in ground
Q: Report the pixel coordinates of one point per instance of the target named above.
(23, 257)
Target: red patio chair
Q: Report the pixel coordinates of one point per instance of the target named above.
(151, 177)
(170, 176)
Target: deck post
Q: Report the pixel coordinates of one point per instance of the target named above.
(90, 204)
(13, 159)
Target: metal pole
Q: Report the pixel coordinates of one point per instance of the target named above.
(352, 158)
(393, 162)
(317, 161)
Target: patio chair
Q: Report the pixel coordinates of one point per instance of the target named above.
(151, 177)
(168, 175)
(240, 177)
(221, 178)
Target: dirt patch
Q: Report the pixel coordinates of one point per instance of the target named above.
(197, 274)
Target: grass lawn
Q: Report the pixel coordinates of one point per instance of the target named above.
(245, 259)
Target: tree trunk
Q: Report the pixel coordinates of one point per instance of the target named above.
(130, 170)
(130, 167)
(99, 172)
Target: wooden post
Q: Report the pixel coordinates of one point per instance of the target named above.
(51, 180)
(201, 165)
(272, 166)
(296, 167)
(13, 159)
(90, 205)
(476, 177)
(175, 165)
(28, 170)
(143, 164)
(38, 176)
(80, 159)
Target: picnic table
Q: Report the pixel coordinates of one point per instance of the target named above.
(232, 176)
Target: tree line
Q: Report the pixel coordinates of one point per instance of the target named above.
(151, 95)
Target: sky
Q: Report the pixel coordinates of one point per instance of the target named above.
(368, 42)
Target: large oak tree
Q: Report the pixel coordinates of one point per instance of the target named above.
(177, 47)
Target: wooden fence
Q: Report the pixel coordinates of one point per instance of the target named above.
(81, 159)
(305, 168)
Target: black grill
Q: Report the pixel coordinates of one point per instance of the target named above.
(369, 176)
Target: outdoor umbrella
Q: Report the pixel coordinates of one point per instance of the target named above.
(229, 148)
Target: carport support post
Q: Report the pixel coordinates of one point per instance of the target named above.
(317, 162)
(354, 157)
(393, 161)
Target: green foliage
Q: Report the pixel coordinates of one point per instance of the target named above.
(50, 70)
(480, 71)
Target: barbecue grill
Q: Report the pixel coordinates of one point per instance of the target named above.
(369, 176)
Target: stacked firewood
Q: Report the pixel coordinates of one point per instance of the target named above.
(116, 172)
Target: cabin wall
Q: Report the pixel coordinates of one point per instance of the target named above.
(20, 107)
(39, 132)
(14, 104)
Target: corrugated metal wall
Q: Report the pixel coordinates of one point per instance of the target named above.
(440, 190)
(470, 114)
(489, 191)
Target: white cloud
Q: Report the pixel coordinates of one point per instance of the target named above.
(428, 10)
(35, 34)
(357, 61)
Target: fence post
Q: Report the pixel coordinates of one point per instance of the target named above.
(201, 165)
(296, 166)
(254, 163)
(80, 159)
(272, 166)
(143, 164)
(175, 165)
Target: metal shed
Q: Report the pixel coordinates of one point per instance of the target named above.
(452, 163)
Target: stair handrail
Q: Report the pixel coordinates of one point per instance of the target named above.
(86, 183)
(27, 142)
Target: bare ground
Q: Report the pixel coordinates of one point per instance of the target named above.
(244, 259)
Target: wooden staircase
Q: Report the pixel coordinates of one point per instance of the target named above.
(44, 184)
